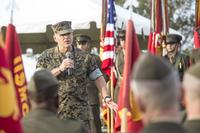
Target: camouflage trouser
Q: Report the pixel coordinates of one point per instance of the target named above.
(96, 121)
(89, 125)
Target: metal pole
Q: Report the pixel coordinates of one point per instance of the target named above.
(153, 15)
(12, 11)
(164, 17)
(124, 127)
(130, 9)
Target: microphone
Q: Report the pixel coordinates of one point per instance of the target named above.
(69, 71)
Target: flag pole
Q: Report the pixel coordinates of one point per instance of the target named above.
(197, 11)
(12, 11)
(103, 26)
(130, 9)
(124, 120)
(112, 91)
(102, 36)
(108, 116)
(153, 15)
(112, 96)
(107, 62)
(164, 17)
(164, 25)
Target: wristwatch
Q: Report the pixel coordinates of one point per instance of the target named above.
(107, 99)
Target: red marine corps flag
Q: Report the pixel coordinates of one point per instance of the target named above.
(13, 53)
(197, 25)
(128, 119)
(159, 25)
(9, 112)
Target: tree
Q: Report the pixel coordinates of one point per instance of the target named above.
(120, 2)
(182, 17)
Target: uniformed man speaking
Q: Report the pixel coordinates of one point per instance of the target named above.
(72, 67)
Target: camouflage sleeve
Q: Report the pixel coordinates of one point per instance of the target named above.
(93, 70)
(43, 62)
(98, 60)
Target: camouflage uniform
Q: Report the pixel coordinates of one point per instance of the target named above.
(73, 96)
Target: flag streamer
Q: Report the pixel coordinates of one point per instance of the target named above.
(9, 112)
(128, 118)
(13, 53)
(159, 26)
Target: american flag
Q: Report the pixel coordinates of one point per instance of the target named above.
(109, 40)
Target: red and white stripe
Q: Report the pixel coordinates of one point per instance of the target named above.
(108, 49)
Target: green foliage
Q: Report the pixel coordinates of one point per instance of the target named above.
(120, 2)
(143, 8)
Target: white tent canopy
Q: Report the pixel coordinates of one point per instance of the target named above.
(34, 15)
